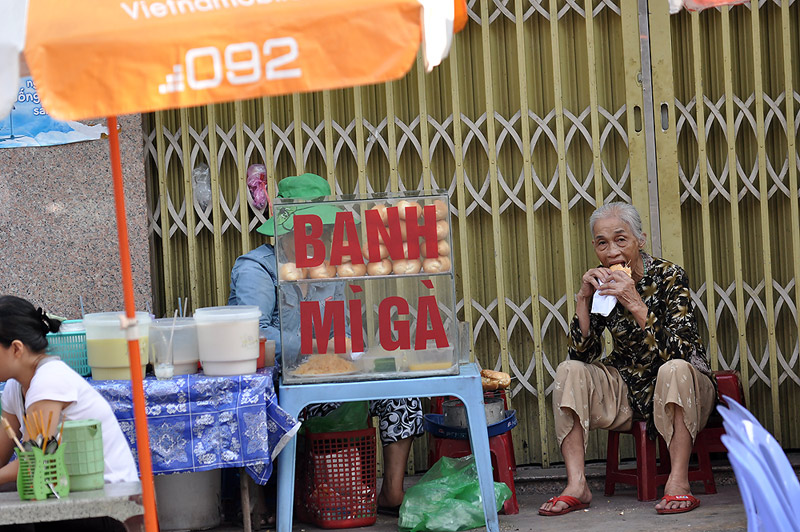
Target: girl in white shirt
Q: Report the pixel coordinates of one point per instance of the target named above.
(40, 383)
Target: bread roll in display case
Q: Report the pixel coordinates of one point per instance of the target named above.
(366, 288)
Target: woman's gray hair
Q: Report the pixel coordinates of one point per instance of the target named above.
(625, 212)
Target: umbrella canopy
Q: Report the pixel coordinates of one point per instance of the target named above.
(91, 58)
(141, 55)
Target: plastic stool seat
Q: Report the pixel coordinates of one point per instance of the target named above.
(466, 386)
(502, 451)
(647, 476)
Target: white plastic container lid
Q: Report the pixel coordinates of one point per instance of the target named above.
(112, 318)
(72, 326)
(166, 323)
(231, 313)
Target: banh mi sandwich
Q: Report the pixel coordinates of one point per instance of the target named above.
(620, 267)
(494, 380)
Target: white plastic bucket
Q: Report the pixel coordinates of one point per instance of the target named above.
(189, 501)
(107, 346)
(185, 353)
(227, 338)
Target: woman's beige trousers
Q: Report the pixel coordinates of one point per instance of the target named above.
(599, 396)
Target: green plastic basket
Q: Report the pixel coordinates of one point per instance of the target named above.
(71, 348)
(38, 471)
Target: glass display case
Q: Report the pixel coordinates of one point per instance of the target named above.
(366, 288)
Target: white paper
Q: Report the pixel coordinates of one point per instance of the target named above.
(603, 304)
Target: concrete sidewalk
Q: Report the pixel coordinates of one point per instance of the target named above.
(620, 513)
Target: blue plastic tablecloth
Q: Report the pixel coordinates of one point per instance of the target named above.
(197, 423)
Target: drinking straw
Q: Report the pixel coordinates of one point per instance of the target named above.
(185, 306)
(83, 314)
(180, 309)
(172, 331)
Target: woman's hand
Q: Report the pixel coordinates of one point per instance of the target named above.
(624, 289)
(591, 280)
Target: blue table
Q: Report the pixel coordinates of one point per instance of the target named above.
(466, 386)
(198, 423)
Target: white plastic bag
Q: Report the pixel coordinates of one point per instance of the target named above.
(201, 185)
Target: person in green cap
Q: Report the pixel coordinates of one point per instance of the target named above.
(254, 280)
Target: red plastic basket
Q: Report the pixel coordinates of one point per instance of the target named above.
(336, 479)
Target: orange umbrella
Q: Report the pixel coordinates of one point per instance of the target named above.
(91, 58)
(141, 55)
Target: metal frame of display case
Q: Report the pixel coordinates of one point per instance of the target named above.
(351, 203)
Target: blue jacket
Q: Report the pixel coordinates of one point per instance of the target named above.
(254, 281)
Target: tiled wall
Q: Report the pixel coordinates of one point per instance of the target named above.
(58, 233)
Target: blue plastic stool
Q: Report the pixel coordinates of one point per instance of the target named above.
(466, 386)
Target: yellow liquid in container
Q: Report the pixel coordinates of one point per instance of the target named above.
(430, 366)
(109, 357)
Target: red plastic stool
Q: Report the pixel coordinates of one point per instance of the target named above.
(647, 476)
(436, 408)
(502, 451)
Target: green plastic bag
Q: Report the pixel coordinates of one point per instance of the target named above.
(447, 498)
(348, 416)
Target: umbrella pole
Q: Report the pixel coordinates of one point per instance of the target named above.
(140, 417)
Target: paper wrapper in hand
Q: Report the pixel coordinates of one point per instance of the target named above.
(603, 305)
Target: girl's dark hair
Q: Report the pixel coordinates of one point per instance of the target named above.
(20, 320)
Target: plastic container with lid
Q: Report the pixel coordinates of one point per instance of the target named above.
(227, 338)
(185, 353)
(107, 348)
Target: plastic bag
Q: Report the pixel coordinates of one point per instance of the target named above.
(257, 184)
(201, 185)
(699, 5)
(448, 498)
(348, 416)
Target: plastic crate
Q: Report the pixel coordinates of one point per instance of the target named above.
(71, 348)
(337, 479)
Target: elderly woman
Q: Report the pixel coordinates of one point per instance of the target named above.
(658, 369)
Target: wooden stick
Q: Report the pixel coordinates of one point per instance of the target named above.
(49, 422)
(11, 434)
(41, 425)
(36, 422)
(27, 427)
